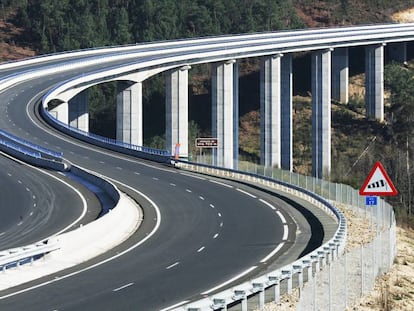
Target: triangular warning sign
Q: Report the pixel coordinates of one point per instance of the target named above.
(378, 183)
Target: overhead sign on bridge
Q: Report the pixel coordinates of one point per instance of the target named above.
(206, 142)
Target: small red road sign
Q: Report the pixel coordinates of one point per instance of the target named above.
(378, 183)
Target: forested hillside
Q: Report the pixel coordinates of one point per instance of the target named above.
(38, 27)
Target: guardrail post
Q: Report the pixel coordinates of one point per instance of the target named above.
(322, 255)
(316, 260)
(259, 287)
(276, 281)
(308, 264)
(219, 303)
(288, 277)
(241, 295)
(299, 270)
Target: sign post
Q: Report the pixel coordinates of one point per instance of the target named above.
(378, 183)
(206, 142)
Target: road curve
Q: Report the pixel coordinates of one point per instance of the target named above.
(208, 231)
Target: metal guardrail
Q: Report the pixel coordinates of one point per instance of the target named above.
(15, 257)
(20, 149)
(26, 143)
(105, 140)
(311, 262)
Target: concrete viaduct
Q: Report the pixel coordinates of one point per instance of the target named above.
(68, 102)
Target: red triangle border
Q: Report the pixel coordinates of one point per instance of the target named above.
(377, 165)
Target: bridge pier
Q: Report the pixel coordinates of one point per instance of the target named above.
(340, 75)
(129, 113)
(276, 111)
(176, 110)
(60, 112)
(321, 113)
(79, 111)
(225, 113)
(374, 81)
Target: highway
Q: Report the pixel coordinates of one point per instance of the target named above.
(203, 231)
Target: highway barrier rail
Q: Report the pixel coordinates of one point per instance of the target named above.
(31, 153)
(26, 254)
(354, 271)
(148, 153)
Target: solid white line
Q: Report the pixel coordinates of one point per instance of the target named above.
(173, 265)
(230, 281)
(246, 193)
(193, 176)
(272, 253)
(174, 306)
(157, 211)
(281, 217)
(122, 287)
(220, 183)
(200, 249)
(285, 232)
(268, 204)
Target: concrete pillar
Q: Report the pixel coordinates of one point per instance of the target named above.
(397, 51)
(79, 111)
(374, 82)
(340, 75)
(321, 113)
(176, 110)
(129, 128)
(276, 111)
(60, 112)
(225, 118)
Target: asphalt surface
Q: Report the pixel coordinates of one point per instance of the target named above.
(206, 231)
(36, 204)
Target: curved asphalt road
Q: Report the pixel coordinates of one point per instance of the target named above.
(36, 204)
(208, 232)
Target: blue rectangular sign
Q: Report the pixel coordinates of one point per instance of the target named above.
(371, 201)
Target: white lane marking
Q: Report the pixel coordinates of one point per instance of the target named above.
(188, 190)
(201, 198)
(2, 233)
(193, 176)
(230, 281)
(119, 168)
(27, 189)
(285, 232)
(281, 217)
(19, 181)
(268, 204)
(219, 214)
(246, 193)
(221, 224)
(200, 249)
(173, 265)
(212, 206)
(102, 162)
(215, 236)
(172, 184)
(34, 204)
(155, 178)
(8, 174)
(31, 214)
(122, 287)
(34, 197)
(175, 306)
(137, 173)
(20, 223)
(157, 211)
(272, 253)
(220, 183)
